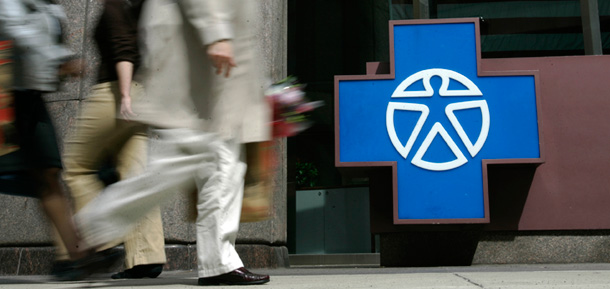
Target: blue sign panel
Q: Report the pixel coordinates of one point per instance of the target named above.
(437, 119)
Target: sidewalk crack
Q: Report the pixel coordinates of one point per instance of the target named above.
(19, 261)
(469, 281)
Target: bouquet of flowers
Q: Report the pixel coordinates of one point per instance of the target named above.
(290, 106)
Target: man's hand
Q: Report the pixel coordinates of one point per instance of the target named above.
(221, 54)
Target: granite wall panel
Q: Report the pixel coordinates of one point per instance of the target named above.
(22, 222)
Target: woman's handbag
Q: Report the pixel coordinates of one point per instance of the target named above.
(257, 204)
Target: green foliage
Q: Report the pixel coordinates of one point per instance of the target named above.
(306, 174)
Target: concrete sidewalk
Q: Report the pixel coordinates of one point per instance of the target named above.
(581, 276)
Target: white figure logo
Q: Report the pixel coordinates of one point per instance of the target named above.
(437, 128)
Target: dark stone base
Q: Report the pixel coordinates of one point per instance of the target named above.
(464, 248)
(422, 249)
(26, 260)
(553, 247)
(38, 260)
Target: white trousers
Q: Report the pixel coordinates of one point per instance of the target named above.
(183, 160)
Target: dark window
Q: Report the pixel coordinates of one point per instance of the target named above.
(519, 28)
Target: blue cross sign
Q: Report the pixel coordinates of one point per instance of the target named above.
(437, 121)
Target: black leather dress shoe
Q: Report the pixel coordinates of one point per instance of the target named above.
(240, 276)
(140, 271)
(82, 268)
(61, 268)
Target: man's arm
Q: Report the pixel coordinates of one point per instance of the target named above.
(211, 18)
(213, 21)
(18, 25)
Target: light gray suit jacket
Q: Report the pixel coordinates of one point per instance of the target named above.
(182, 89)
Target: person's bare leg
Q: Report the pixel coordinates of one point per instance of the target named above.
(55, 205)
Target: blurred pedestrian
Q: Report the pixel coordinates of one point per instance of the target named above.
(100, 139)
(205, 98)
(40, 59)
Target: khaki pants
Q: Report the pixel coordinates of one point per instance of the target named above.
(99, 135)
